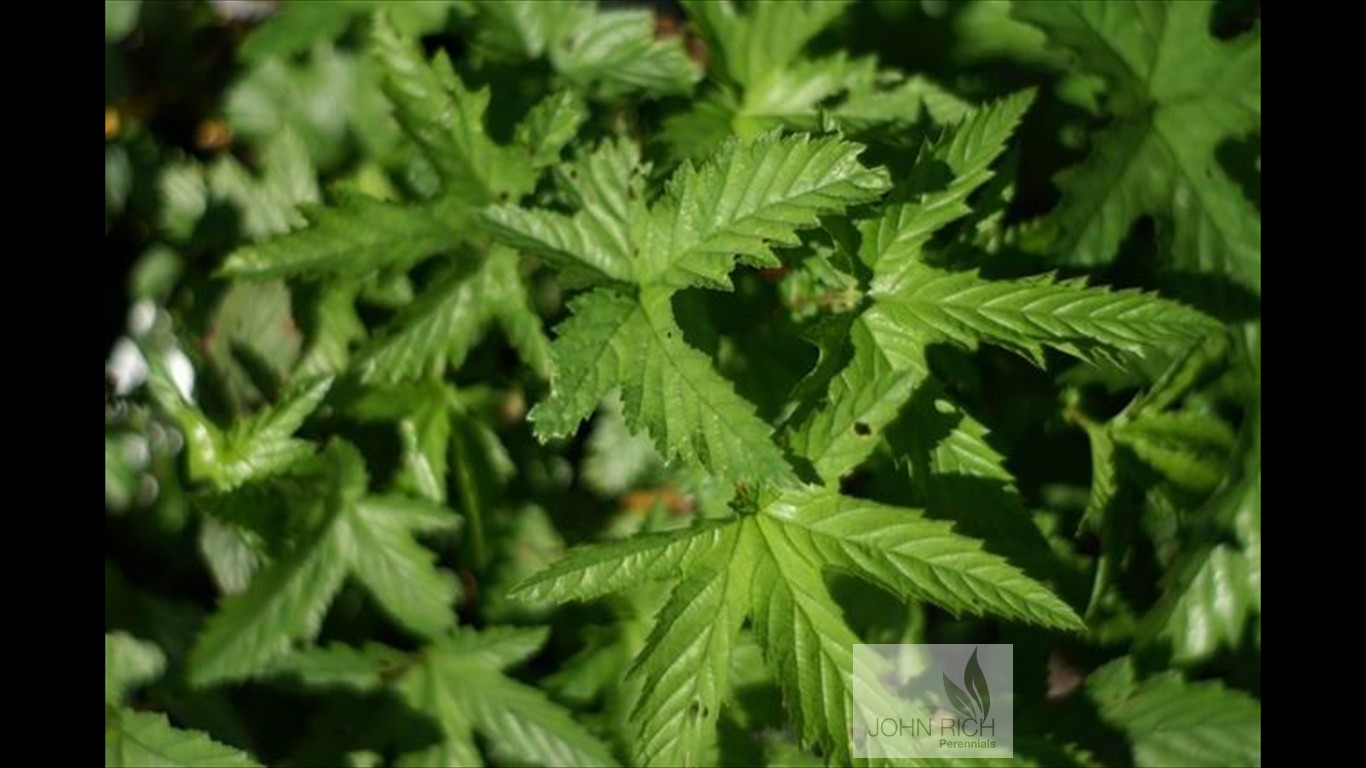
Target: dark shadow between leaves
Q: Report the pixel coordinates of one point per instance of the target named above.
(1239, 158)
(983, 507)
(1233, 18)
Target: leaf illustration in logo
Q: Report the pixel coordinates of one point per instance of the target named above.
(976, 683)
(958, 698)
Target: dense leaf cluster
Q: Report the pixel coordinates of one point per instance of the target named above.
(575, 383)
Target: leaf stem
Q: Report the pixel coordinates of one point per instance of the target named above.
(469, 497)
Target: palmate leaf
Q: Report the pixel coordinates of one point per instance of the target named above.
(458, 681)
(139, 739)
(768, 565)
(368, 538)
(915, 304)
(752, 194)
(1177, 94)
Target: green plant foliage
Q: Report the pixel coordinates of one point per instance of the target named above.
(576, 383)
(1177, 94)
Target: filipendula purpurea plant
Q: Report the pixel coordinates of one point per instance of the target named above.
(634, 186)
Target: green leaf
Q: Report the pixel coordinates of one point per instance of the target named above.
(227, 553)
(884, 101)
(1214, 589)
(1206, 607)
(338, 665)
(768, 564)
(915, 304)
(589, 572)
(1027, 314)
(367, 537)
(615, 460)
(524, 724)
(550, 126)
(765, 39)
(253, 341)
(333, 327)
(1171, 722)
(438, 330)
(752, 194)
(768, 82)
(251, 449)
(912, 555)
(297, 25)
(684, 666)
(1177, 94)
(593, 245)
(285, 601)
(457, 682)
(1104, 483)
(1189, 449)
(897, 238)
(356, 237)
(129, 663)
(142, 739)
(446, 121)
(606, 52)
(749, 197)
(615, 53)
(932, 305)
(396, 570)
(268, 204)
(518, 29)
(322, 98)
(669, 389)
